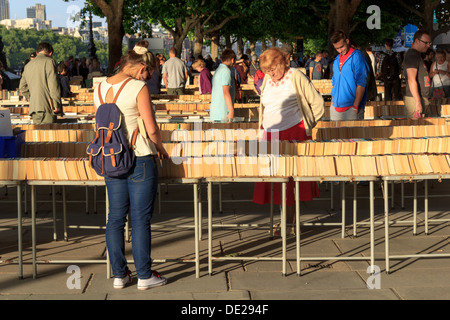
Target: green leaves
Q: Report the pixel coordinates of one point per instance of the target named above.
(20, 43)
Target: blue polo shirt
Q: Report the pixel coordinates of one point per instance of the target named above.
(222, 77)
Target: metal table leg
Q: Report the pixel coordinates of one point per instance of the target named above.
(210, 227)
(386, 224)
(19, 229)
(297, 225)
(343, 208)
(283, 227)
(108, 262)
(426, 206)
(196, 229)
(55, 236)
(372, 227)
(66, 236)
(33, 229)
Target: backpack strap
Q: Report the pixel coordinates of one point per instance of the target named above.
(120, 90)
(117, 94)
(100, 94)
(134, 138)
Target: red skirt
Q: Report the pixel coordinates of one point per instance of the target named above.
(308, 190)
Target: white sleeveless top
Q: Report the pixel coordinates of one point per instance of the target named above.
(440, 80)
(281, 110)
(128, 106)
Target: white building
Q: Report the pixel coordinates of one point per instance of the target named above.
(27, 24)
(99, 33)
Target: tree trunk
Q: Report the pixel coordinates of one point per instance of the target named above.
(215, 39)
(115, 35)
(240, 44)
(228, 42)
(263, 45)
(252, 47)
(331, 28)
(198, 43)
(340, 17)
(178, 45)
(288, 47)
(428, 14)
(273, 42)
(113, 12)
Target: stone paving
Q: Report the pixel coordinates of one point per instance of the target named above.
(236, 280)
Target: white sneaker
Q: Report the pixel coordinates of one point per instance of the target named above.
(154, 281)
(120, 283)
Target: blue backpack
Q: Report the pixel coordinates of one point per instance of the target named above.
(109, 153)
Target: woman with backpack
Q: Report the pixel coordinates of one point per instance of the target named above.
(136, 190)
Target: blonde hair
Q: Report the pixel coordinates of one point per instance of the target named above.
(273, 57)
(143, 57)
(199, 63)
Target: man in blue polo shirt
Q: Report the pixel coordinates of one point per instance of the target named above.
(350, 80)
(223, 91)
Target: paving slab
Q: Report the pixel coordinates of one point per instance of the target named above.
(328, 294)
(240, 280)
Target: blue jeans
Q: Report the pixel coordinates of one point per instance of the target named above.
(136, 192)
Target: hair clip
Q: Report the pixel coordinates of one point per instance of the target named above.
(140, 50)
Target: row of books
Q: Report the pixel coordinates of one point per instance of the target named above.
(54, 149)
(338, 147)
(292, 166)
(318, 134)
(182, 106)
(320, 124)
(249, 125)
(399, 110)
(78, 169)
(55, 126)
(213, 134)
(47, 169)
(381, 132)
(203, 106)
(184, 97)
(76, 135)
(323, 86)
(249, 133)
(162, 126)
(381, 123)
(7, 95)
(80, 94)
(72, 109)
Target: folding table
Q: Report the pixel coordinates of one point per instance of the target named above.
(412, 178)
(283, 181)
(342, 180)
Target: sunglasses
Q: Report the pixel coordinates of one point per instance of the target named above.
(429, 43)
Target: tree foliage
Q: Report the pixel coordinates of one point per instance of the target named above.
(285, 20)
(20, 43)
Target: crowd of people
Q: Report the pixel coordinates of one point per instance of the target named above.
(290, 107)
(44, 83)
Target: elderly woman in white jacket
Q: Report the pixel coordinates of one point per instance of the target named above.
(290, 108)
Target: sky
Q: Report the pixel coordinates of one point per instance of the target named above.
(58, 11)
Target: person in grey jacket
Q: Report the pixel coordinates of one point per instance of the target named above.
(39, 84)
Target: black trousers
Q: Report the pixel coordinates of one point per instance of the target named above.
(392, 89)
